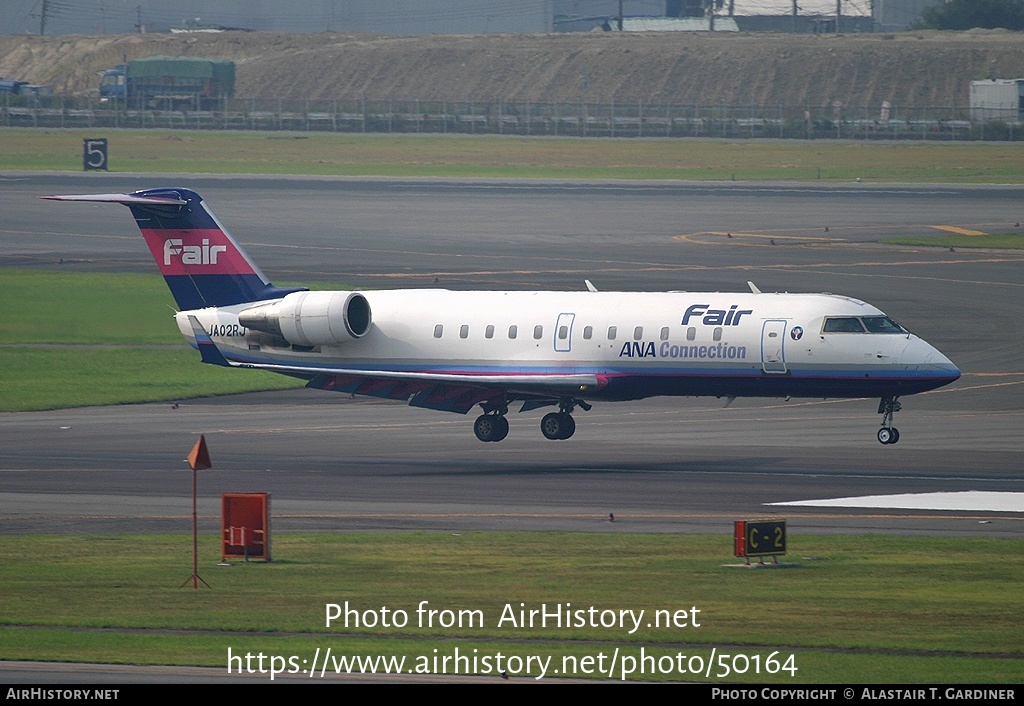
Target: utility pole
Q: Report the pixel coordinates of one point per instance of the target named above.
(839, 13)
(620, 15)
(796, 24)
(42, 19)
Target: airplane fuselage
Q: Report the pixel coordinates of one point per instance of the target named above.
(636, 345)
(454, 351)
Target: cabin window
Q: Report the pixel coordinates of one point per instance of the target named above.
(664, 333)
(489, 331)
(843, 324)
(612, 330)
(438, 331)
(638, 333)
(464, 331)
(563, 333)
(588, 332)
(691, 334)
(538, 332)
(513, 331)
(717, 333)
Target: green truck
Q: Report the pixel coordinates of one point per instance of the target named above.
(170, 83)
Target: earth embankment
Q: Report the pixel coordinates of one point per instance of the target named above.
(911, 70)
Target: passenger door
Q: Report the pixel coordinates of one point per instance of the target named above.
(773, 343)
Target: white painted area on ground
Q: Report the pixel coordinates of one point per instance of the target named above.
(969, 500)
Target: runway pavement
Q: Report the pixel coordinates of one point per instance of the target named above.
(665, 465)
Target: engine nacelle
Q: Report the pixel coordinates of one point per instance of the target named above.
(312, 318)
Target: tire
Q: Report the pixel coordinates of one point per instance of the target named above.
(570, 426)
(501, 428)
(552, 426)
(557, 426)
(485, 428)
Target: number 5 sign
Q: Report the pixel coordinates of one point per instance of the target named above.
(94, 154)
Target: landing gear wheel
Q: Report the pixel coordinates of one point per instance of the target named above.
(557, 425)
(888, 407)
(888, 435)
(551, 426)
(570, 426)
(502, 428)
(490, 427)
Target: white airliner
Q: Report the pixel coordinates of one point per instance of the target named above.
(452, 351)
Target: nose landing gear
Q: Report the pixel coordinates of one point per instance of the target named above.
(888, 407)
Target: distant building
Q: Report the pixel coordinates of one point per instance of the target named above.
(898, 15)
(392, 17)
(730, 15)
(444, 16)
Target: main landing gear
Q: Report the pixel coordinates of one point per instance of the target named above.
(888, 407)
(560, 425)
(557, 426)
(493, 426)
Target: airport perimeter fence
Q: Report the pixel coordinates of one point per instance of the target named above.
(607, 119)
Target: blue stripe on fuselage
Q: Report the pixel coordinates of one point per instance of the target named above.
(639, 383)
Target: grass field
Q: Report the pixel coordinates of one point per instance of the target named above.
(859, 609)
(561, 158)
(94, 338)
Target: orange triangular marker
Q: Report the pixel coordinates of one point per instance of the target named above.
(199, 456)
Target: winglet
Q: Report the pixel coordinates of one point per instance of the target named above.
(753, 287)
(207, 348)
(590, 285)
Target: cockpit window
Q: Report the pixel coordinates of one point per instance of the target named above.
(843, 324)
(882, 324)
(853, 324)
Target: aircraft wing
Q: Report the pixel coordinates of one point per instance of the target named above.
(450, 392)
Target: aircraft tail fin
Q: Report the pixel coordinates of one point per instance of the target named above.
(200, 261)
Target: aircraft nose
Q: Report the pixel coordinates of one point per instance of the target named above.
(924, 357)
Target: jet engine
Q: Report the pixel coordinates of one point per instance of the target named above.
(312, 318)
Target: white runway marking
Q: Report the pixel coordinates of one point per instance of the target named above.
(970, 500)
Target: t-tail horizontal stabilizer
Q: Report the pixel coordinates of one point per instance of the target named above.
(200, 261)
